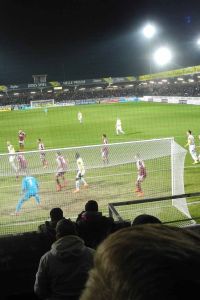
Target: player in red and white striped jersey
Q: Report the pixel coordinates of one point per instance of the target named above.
(21, 139)
(41, 147)
(22, 163)
(61, 170)
(141, 175)
(105, 149)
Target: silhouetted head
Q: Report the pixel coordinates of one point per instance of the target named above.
(56, 214)
(145, 219)
(65, 227)
(91, 205)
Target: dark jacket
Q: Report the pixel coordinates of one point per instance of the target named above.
(93, 228)
(63, 270)
(49, 229)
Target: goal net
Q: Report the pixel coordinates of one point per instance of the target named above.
(42, 103)
(108, 182)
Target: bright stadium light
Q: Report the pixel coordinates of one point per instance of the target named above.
(198, 41)
(162, 56)
(149, 31)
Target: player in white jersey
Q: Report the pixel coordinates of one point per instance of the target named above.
(80, 117)
(80, 173)
(12, 156)
(41, 147)
(61, 170)
(192, 148)
(118, 127)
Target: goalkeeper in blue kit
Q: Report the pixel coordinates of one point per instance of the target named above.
(30, 188)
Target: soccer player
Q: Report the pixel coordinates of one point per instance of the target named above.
(21, 162)
(21, 139)
(118, 127)
(30, 188)
(141, 175)
(61, 170)
(80, 173)
(105, 150)
(192, 148)
(80, 117)
(46, 111)
(12, 156)
(41, 147)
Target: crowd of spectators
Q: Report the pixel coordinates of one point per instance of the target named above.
(137, 88)
(94, 257)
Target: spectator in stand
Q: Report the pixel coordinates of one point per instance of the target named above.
(146, 262)
(91, 211)
(63, 270)
(92, 226)
(49, 227)
(145, 219)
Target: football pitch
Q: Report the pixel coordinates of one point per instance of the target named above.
(59, 128)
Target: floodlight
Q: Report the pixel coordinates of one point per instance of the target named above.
(162, 56)
(149, 31)
(198, 41)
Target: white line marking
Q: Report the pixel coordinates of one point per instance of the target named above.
(102, 176)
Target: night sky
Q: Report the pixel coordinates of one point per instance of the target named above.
(82, 39)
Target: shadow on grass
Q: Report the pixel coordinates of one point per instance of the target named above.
(134, 133)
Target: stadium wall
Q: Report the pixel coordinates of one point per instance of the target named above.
(173, 100)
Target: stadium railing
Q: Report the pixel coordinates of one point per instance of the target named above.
(160, 207)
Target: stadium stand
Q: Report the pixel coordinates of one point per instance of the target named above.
(20, 255)
(188, 86)
(19, 258)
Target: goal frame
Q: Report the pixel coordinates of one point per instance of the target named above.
(49, 102)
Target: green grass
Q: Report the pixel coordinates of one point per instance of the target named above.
(60, 128)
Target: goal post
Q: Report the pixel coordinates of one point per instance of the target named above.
(164, 161)
(42, 103)
(177, 165)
